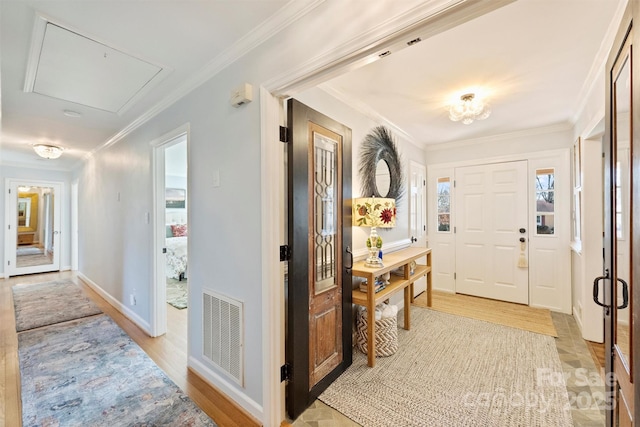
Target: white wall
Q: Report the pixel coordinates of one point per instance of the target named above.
(65, 206)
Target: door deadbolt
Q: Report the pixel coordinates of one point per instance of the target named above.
(523, 230)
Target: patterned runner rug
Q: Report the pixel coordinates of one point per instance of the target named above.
(42, 304)
(89, 372)
(454, 371)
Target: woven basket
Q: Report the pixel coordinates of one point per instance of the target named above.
(386, 335)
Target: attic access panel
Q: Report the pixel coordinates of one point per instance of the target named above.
(75, 68)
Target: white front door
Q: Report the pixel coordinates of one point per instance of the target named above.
(491, 219)
(417, 216)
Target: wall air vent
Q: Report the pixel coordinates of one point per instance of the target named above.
(223, 342)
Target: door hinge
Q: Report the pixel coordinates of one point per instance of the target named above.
(454, 183)
(424, 182)
(285, 372)
(9, 191)
(424, 228)
(285, 253)
(454, 276)
(284, 134)
(9, 226)
(455, 230)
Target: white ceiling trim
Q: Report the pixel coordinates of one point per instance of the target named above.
(427, 19)
(558, 127)
(289, 13)
(37, 40)
(599, 62)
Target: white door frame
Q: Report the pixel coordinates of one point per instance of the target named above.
(418, 215)
(159, 283)
(11, 225)
(352, 54)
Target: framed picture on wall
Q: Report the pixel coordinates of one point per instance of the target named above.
(175, 197)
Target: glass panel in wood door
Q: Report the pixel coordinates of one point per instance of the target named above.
(325, 305)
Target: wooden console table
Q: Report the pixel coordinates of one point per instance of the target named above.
(370, 299)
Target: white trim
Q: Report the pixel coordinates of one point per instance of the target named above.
(499, 159)
(221, 383)
(272, 194)
(276, 23)
(599, 62)
(11, 269)
(158, 290)
(559, 127)
(73, 238)
(126, 312)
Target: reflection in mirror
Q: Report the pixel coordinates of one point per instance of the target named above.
(24, 211)
(622, 136)
(35, 234)
(383, 178)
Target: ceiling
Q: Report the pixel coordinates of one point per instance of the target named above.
(533, 58)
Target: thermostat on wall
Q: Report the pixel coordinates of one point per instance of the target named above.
(242, 95)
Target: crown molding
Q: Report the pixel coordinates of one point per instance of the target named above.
(289, 13)
(44, 166)
(599, 62)
(558, 127)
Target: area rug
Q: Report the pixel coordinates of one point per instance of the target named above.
(33, 260)
(29, 250)
(504, 313)
(42, 304)
(177, 293)
(454, 371)
(88, 372)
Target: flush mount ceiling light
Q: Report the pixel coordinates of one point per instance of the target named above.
(71, 113)
(48, 151)
(468, 109)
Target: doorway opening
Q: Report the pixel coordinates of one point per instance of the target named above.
(171, 292)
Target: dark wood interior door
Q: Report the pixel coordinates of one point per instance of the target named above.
(319, 315)
(622, 226)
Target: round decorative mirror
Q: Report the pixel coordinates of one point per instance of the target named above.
(380, 168)
(383, 178)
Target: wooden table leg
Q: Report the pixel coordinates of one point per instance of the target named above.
(371, 336)
(407, 307)
(429, 289)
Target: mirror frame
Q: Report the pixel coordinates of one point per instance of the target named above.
(33, 224)
(380, 145)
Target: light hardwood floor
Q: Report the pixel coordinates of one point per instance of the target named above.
(169, 352)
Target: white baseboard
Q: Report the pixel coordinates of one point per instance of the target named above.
(443, 290)
(65, 268)
(219, 382)
(128, 313)
(578, 319)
